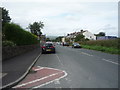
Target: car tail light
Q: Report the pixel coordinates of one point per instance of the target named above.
(52, 47)
(43, 47)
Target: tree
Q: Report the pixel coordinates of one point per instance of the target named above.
(5, 16)
(36, 27)
(59, 39)
(5, 19)
(101, 34)
(79, 37)
(47, 39)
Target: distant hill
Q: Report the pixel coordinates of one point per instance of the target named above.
(52, 37)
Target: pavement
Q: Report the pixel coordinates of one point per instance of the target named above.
(15, 69)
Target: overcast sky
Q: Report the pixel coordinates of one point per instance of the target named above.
(66, 16)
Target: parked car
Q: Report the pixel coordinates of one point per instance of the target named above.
(76, 45)
(48, 47)
(65, 44)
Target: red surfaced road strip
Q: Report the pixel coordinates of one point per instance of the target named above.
(43, 75)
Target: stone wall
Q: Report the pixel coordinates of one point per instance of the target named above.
(9, 52)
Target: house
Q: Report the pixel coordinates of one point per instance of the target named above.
(86, 33)
(89, 35)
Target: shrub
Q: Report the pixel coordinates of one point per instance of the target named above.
(15, 33)
(8, 43)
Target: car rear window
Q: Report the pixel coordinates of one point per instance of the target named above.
(49, 44)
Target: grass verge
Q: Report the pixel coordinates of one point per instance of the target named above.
(103, 49)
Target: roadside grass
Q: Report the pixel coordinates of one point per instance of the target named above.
(111, 50)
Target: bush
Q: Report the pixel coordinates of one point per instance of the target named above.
(8, 43)
(15, 33)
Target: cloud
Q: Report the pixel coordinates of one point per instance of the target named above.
(65, 16)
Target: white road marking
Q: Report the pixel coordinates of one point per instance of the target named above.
(109, 61)
(39, 69)
(51, 81)
(2, 75)
(57, 82)
(51, 68)
(86, 54)
(102, 59)
(34, 81)
(59, 59)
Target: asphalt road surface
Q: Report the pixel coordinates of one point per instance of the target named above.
(85, 68)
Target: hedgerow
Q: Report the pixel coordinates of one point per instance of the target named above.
(19, 36)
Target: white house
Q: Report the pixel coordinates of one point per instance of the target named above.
(86, 33)
(89, 35)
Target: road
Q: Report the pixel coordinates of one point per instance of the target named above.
(85, 68)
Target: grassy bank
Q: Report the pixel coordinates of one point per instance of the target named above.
(108, 46)
(103, 49)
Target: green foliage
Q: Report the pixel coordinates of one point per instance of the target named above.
(5, 19)
(105, 43)
(15, 33)
(79, 37)
(5, 16)
(36, 27)
(101, 34)
(8, 43)
(59, 39)
(47, 39)
(103, 49)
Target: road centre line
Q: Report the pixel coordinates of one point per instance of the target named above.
(59, 59)
(86, 54)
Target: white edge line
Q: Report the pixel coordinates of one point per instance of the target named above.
(50, 81)
(24, 84)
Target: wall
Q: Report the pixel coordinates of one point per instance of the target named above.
(9, 52)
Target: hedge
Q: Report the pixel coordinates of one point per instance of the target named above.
(19, 36)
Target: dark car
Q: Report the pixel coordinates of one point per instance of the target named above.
(65, 44)
(48, 47)
(76, 45)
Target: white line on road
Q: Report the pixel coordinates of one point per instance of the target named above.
(109, 61)
(39, 69)
(87, 54)
(102, 59)
(34, 81)
(59, 59)
(51, 81)
(2, 75)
